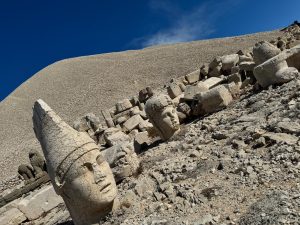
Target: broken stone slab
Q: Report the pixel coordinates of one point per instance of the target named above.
(107, 117)
(281, 137)
(245, 58)
(212, 82)
(192, 90)
(263, 51)
(134, 111)
(213, 100)
(193, 77)
(229, 61)
(280, 69)
(123, 105)
(12, 217)
(132, 122)
(215, 67)
(39, 203)
(114, 136)
(174, 90)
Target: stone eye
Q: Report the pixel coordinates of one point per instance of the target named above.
(88, 166)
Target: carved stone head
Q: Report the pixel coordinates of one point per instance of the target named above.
(77, 169)
(162, 114)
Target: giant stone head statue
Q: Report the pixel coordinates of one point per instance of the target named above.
(77, 169)
(162, 114)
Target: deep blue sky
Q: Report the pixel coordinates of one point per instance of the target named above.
(35, 33)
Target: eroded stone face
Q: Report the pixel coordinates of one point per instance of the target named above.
(77, 169)
(89, 181)
(162, 114)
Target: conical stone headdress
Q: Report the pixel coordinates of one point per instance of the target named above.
(61, 144)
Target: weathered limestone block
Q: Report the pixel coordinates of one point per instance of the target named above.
(233, 88)
(26, 172)
(245, 58)
(177, 100)
(107, 117)
(122, 159)
(162, 114)
(229, 61)
(213, 100)
(37, 204)
(132, 122)
(37, 162)
(134, 111)
(123, 105)
(263, 51)
(192, 90)
(12, 217)
(212, 82)
(121, 120)
(114, 136)
(78, 171)
(193, 77)
(142, 138)
(279, 69)
(144, 125)
(183, 111)
(174, 90)
(247, 66)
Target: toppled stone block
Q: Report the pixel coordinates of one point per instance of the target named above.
(233, 88)
(134, 111)
(229, 61)
(212, 100)
(263, 51)
(212, 82)
(174, 90)
(107, 117)
(114, 136)
(193, 77)
(191, 91)
(36, 204)
(142, 138)
(245, 58)
(132, 122)
(280, 69)
(144, 125)
(121, 120)
(123, 105)
(247, 66)
(12, 217)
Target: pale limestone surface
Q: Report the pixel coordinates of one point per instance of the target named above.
(279, 69)
(97, 82)
(12, 217)
(162, 114)
(213, 100)
(40, 202)
(77, 169)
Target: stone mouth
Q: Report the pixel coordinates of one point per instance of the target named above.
(105, 188)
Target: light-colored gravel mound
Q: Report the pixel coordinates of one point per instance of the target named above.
(73, 87)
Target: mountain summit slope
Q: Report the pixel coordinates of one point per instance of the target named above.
(80, 85)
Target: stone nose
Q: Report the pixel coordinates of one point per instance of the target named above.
(98, 174)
